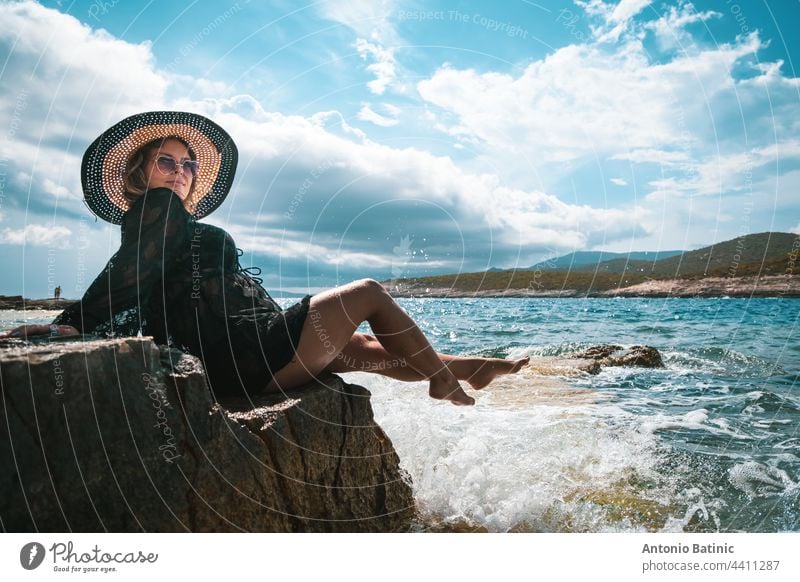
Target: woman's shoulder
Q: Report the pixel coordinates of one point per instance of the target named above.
(156, 208)
(210, 231)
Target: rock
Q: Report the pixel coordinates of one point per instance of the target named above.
(123, 435)
(595, 358)
(609, 355)
(597, 352)
(19, 303)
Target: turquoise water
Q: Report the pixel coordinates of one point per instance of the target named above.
(709, 443)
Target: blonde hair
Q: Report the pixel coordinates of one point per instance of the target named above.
(134, 177)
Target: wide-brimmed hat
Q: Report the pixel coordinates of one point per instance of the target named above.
(105, 161)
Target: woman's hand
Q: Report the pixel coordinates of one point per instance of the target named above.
(26, 331)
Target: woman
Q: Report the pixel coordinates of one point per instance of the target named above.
(180, 280)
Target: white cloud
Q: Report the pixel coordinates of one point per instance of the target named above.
(615, 17)
(627, 9)
(392, 110)
(371, 21)
(386, 174)
(586, 101)
(669, 29)
(330, 254)
(367, 114)
(539, 219)
(618, 181)
(332, 120)
(653, 156)
(368, 18)
(37, 235)
(58, 190)
(75, 79)
(796, 229)
(724, 174)
(64, 83)
(383, 65)
(584, 104)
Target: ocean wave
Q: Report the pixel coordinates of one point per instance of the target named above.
(720, 361)
(759, 480)
(692, 420)
(10, 318)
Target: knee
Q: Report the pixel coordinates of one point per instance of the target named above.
(371, 286)
(367, 340)
(371, 283)
(363, 297)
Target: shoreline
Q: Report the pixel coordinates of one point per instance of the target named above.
(770, 286)
(20, 303)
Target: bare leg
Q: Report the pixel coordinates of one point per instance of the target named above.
(334, 317)
(364, 353)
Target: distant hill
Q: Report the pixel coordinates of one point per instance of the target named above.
(588, 260)
(734, 255)
(766, 253)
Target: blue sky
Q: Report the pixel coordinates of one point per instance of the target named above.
(389, 138)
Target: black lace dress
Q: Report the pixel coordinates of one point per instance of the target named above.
(181, 282)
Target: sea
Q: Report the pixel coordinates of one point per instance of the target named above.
(709, 443)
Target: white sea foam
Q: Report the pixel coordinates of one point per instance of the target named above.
(530, 467)
(692, 420)
(12, 317)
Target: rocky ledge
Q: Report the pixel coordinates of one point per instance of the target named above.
(19, 302)
(124, 436)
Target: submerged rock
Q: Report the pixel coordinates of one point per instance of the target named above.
(123, 435)
(593, 359)
(613, 355)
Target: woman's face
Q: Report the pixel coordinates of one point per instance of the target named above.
(180, 180)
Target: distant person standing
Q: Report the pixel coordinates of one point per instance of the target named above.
(58, 292)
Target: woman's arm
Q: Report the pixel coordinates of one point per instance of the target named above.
(155, 232)
(25, 331)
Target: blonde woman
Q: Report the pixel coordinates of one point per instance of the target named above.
(180, 281)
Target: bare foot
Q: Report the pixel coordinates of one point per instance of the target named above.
(486, 369)
(449, 389)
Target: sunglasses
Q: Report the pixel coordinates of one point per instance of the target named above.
(167, 165)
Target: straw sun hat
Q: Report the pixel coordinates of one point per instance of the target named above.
(105, 161)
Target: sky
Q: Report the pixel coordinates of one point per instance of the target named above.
(390, 138)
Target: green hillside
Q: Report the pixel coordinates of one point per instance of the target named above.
(756, 254)
(755, 249)
(733, 257)
(588, 260)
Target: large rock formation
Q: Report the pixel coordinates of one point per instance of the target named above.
(124, 436)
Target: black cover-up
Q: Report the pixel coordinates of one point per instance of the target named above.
(180, 281)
